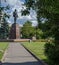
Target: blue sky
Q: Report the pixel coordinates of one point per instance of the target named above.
(17, 4)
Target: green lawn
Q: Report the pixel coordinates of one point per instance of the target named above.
(3, 46)
(37, 48)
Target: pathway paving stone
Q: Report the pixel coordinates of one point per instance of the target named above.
(16, 54)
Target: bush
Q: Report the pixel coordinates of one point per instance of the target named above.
(39, 34)
(52, 53)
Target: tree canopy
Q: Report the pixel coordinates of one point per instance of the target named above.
(27, 30)
(48, 9)
(4, 26)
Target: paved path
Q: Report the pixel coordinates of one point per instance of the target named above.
(16, 54)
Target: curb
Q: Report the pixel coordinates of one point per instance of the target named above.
(43, 63)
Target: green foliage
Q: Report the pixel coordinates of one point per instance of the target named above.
(49, 9)
(39, 34)
(25, 12)
(1, 54)
(4, 27)
(52, 52)
(4, 30)
(27, 30)
(3, 47)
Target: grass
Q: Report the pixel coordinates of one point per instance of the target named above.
(3, 46)
(37, 48)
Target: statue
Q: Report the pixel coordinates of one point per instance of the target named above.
(15, 30)
(15, 15)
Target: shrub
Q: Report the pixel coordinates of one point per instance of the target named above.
(52, 53)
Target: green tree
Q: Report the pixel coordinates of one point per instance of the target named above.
(4, 27)
(27, 30)
(48, 9)
(39, 34)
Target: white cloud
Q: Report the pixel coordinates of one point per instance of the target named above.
(34, 23)
(9, 21)
(11, 2)
(17, 4)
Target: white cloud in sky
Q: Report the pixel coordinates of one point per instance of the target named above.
(34, 23)
(9, 21)
(11, 2)
(17, 4)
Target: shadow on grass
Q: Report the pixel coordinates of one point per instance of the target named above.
(25, 63)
